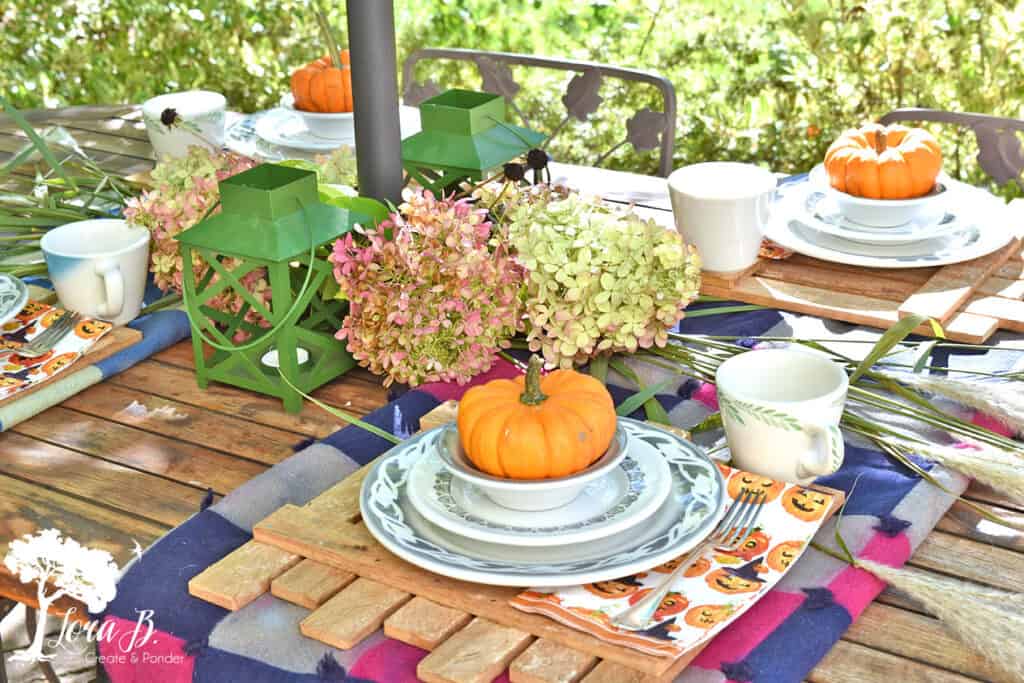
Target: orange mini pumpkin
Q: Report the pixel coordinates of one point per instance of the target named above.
(322, 87)
(536, 428)
(880, 162)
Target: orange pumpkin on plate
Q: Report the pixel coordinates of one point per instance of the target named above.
(322, 87)
(884, 162)
(537, 427)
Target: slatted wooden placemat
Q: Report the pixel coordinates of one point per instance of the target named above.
(970, 300)
(116, 340)
(319, 557)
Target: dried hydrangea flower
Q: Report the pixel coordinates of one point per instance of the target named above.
(599, 279)
(436, 300)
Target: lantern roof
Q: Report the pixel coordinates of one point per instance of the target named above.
(270, 213)
(463, 129)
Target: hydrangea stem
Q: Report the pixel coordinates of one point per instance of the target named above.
(532, 395)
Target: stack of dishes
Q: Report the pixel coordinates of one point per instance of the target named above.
(287, 126)
(649, 499)
(953, 223)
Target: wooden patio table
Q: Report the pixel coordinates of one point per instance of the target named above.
(109, 477)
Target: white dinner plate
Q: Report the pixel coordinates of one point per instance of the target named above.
(285, 128)
(617, 501)
(983, 228)
(692, 508)
(13, 296)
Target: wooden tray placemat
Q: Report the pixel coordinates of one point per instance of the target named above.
(116, 340)
(970, 300)
(319, 556)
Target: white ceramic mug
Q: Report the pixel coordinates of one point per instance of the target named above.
(721, 208)
(781, 410)
(98, 267)
(198, 120)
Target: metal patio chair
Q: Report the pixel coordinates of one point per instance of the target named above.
(1000, 152)
(645, 130)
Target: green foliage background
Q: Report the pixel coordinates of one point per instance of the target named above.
(771, 81)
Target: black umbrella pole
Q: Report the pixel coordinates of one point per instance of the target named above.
(371, 37)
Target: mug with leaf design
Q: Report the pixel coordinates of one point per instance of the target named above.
(781, 410)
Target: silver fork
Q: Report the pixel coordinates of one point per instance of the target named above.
(45, 342)
(729, 535)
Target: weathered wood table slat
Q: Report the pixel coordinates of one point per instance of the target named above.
(109, 475)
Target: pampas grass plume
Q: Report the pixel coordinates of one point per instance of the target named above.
(1003, 401)
(987, 620)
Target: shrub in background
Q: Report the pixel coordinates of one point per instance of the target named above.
(768, 81)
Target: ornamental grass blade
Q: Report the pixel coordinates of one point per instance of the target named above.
(893, 336)
(640, 398)
(342, 415)
(645, 396)
(39, 143)
(599, 369)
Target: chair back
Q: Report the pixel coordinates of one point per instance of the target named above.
(645, 130)
(1000, 153)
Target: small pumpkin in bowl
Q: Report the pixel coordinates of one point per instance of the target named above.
(536, 427)
(884, 162)
(322, 87)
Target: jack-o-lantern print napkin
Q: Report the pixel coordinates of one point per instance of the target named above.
(18, 373)
(717, 589)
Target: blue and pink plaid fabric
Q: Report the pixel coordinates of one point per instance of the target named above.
(778, 641)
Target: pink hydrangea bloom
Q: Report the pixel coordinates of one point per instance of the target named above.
(184, 191)
(433, 302)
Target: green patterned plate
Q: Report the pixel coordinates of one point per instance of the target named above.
(621, 499)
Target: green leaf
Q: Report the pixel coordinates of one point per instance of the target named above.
(39, 143)
(599, 369)
(893, 336)
(640, 398)
(924, 354)
(645, 396)
(377, 211)
(722, 310)
(342, 415)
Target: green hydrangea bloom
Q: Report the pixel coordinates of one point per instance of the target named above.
(601, 279)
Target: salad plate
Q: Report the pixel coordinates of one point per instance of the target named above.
(286, 128)
(627, 495)
(695, 503)
(13, 296)
(821, 212)
(979, 218)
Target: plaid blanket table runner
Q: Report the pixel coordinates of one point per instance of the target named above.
(779, 640)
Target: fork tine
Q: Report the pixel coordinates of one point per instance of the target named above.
(746, 525)
(48, 339)
(722, 530)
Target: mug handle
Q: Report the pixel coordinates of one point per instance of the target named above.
(764, 203)
(827, 456)
(113, 282)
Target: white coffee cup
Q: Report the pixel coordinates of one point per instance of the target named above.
(198, 120)
(781, 410)
(98, 267)
(721, 208)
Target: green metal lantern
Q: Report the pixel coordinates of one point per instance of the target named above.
(271, 217)
(464, 136)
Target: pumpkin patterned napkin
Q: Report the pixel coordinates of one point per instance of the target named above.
(717, 589)
(17, 373)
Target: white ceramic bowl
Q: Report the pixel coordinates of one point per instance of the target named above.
(339, 126)
(200, 121)
(888, 213)
(528, 494)
(883, 213)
